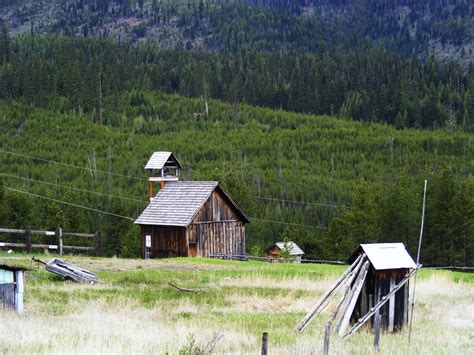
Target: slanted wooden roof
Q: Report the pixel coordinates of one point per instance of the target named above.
(179, 201)
(292, 247)
(386, 256)
(159, 159)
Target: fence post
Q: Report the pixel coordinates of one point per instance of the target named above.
(265, 343)
(98, 244)
(377, 328)
(28, 239)
(327, 331)
(60, 241)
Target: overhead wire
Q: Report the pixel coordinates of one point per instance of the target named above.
(289, 223)
(300, 202)
(69, 203)
(137, 178)
(72, 188)
(71, 165)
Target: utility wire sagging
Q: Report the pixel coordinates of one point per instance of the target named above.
(72, 188)
(71, 166)
(68, 203)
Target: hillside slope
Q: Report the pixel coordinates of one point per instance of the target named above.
(442, 28)
(265, 158)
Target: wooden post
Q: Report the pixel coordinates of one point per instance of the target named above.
(60, 241)
(327, 330)
(377, 328)
(98, 244)
(28, 239)
(265, 343)
(19, 289)
(391, 306)
(358, 283)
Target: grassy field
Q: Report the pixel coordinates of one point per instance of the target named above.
(134, 310)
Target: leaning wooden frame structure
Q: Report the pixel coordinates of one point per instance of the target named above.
(378, 275)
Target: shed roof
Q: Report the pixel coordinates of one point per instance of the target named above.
(159, 159)
(292, 247)
(179, 201)
(385, 256)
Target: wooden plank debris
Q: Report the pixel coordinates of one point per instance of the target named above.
(68, 271)
(183, 289)
(318, 307)
(359, 282)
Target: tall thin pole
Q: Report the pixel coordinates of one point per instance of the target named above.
(418, 259)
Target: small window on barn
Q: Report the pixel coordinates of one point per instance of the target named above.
(148, 246)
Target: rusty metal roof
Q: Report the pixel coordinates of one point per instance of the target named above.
(385, 256)
(159, 159)
(292, 247)
(179, 201)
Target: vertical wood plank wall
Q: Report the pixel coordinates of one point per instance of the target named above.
(216, 229)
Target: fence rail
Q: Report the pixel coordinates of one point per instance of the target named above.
(275, 260)
(59, 234)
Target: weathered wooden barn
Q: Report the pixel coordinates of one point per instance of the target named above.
(11, 287)
(294, 251)
(390, 264)
(190, 218)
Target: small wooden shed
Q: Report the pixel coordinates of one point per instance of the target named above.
(192, 218)
(389, 264)
(295, 252)
(11, 287)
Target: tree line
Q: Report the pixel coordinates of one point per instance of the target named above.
(68, 73)
(325, 183)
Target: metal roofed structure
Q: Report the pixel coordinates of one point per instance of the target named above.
(387, 256)
(158, 160)
(292, 247)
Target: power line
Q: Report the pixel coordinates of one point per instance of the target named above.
(288, 223)
(71, 166)
(72, 188)
(300, 202)
(143, 179)
(69, 203)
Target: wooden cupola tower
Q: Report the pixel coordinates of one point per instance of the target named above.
(162, 167)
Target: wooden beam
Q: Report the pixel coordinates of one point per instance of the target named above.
(353, 297)
(316, 309)
(391, 306)
(348, 299)
(384, 300)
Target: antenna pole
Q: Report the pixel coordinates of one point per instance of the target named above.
(417, 259)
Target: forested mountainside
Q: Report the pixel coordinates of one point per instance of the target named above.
(72, 73)
(444, 28)
(327, 184)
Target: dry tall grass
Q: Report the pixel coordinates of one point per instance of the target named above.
(444, 318)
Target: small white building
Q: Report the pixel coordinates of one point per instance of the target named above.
(294, 251)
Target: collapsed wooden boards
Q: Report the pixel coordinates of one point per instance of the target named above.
(318, 307)
(70, 272)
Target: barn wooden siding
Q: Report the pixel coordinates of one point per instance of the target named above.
(7, 296)
(377, 284)
(216, 229)
(165, 241)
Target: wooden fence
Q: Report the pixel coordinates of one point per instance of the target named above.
(59, 234)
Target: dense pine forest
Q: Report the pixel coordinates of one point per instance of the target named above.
(361, 181)
(324, 117)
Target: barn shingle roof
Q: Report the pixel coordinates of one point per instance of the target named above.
(158, 160)
(179, 201)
